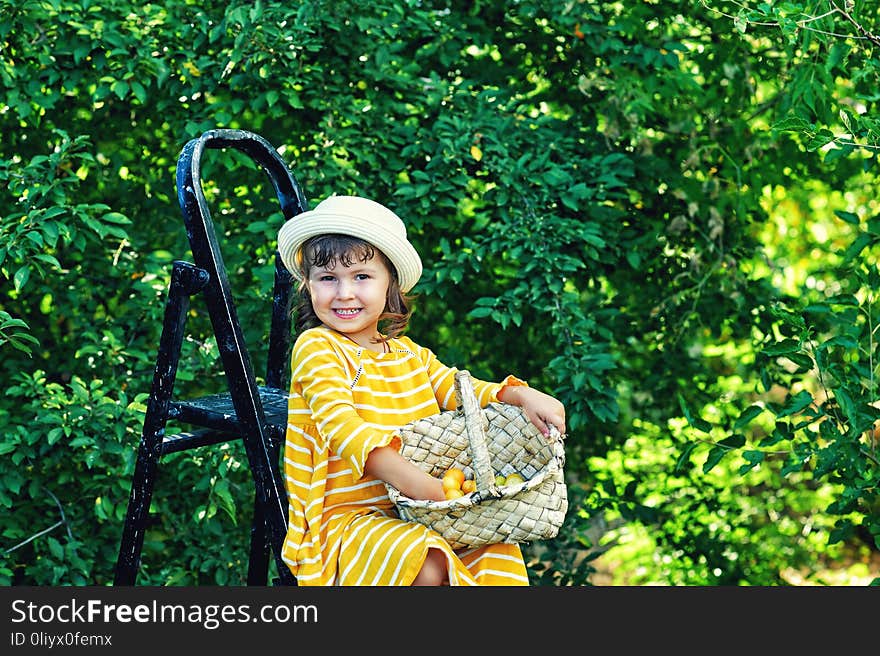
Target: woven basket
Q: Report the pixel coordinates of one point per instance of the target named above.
(498, 439)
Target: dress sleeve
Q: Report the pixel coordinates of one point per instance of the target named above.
(318, 371)
(443, 380)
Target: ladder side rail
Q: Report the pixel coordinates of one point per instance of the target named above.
(280, 331)
(186, 281)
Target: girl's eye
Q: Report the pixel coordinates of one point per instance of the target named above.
(325, 278)
(362, 276)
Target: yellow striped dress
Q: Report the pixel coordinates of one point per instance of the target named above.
(342, 527)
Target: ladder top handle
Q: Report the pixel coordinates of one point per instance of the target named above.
(189, 188)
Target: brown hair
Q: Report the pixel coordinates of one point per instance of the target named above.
(333, 249)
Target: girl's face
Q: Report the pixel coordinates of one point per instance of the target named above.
(350, 299)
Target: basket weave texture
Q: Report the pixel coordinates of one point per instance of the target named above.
(483, 442)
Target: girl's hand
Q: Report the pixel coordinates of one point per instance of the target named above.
(542, 409)
(387, 464)
(434, 489)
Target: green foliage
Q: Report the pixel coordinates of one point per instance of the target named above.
(15, 332)
(629, 205)
(44, 220)
(66, 454)
(823, 357)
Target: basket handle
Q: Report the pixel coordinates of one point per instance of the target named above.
(474, 422)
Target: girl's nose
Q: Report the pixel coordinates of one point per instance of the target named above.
(344, 289)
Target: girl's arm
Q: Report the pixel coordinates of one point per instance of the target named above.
(541, 409)
(387, 464)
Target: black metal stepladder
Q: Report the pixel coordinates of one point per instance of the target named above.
(255, 414)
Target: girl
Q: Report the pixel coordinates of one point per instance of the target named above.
(352, 386)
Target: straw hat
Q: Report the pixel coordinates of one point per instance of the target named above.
(356, 217)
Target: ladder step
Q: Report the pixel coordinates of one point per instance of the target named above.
(217, 411)
(191, 440)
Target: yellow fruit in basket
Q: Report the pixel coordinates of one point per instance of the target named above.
(514, 479)
(450, 483)
(453, 493)
(469, 485)
(455, 473)
(499, 480)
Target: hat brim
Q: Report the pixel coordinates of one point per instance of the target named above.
(294, 233)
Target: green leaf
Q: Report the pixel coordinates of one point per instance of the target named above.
(139, 91)
(844, 341)
(21, 277)
(55, 548)
(754, 456)
(747, 415)
(224, 496)
(859, 244)
(785, 347)
(790, 124)
(803, 361)
(796, 404)
(54, 435)
(685, 456)
(716, 453)
(849, 217)
(115, 217)
(48, 259)
(733, 441)
(120, 88)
